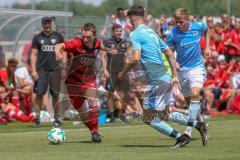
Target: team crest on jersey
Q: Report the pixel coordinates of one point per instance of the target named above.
(123, 45)
(195, 33)
(53, 41)
(42, 41)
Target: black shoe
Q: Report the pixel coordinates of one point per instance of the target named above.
(112, 120)
(57, 123)
(182, 141)
(96, 138)
(202, 128)
(123, 118)
(37, 123)
(112, 117)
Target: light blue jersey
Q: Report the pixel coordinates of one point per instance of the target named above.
(151, 46)
(187, 46)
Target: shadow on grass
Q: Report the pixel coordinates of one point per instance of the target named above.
(86, 142)
(145, 146)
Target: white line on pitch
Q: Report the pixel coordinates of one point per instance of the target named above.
(80, 129)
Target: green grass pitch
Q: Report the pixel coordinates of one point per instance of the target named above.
(136, 141)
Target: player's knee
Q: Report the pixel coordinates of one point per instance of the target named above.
(195, 95)
(92, 101)
(148, 116)
(173, 116)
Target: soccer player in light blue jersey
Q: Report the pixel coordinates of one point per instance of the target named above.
(184, 38)
(147, 49)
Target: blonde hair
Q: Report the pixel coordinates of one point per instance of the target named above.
(181, 13)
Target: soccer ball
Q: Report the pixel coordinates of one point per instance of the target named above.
(56, 136)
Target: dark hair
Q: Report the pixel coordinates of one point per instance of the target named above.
(46, 18)
(120, 9)
(116, 26)
(89, 27)
(13, 61)
(136, 10)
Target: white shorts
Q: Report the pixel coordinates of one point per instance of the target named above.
(191, 78)
(157, 96)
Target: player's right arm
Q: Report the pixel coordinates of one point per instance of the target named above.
(59, 51)
(132, 62)
(68, 46)
(136, 56)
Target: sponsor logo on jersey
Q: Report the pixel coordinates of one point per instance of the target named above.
(195, 33)
(42, 41)
(48, 48)
(87, 61)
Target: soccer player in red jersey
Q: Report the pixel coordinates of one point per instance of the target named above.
(81, 76)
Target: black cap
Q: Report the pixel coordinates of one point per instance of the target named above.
(44, 19)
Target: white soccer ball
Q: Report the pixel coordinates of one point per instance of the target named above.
(56, 136)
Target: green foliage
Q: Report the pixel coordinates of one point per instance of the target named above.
(155, 7)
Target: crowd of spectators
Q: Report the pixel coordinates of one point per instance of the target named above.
(221, 94)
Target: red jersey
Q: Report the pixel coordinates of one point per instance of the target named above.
(3, 76)
(235, 40)
(231, 35)
(82, 61)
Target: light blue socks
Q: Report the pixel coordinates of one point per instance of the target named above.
(181, 119)
(164, 128)
(194, 111)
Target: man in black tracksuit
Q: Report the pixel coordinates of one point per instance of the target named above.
(45, 69)
(113, 63)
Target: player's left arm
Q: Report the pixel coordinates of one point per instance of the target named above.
(128, 52)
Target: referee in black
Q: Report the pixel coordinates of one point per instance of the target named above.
(45, 69)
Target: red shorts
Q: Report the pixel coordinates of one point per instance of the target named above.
(77, 92)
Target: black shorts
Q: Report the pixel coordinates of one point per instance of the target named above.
(114, 83)
(48, 78)
(217, 92)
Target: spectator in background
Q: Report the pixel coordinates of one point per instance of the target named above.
(121, 19)
(162, 25)
(2, 58)
(7, 80)
(113, 64)
(25, 83)
(224, 18)
(230, 41)
(210, 22)
(11, 110)
(45, 68)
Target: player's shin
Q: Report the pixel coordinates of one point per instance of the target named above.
(150, 118)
